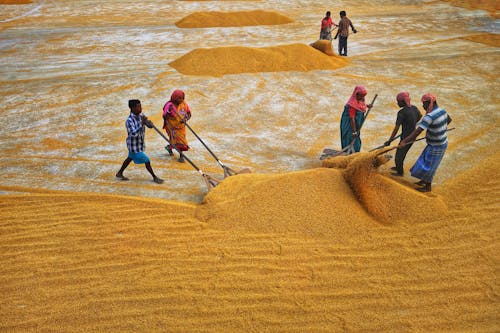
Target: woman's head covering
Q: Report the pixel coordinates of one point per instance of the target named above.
(176, 95)
(404, 97)
(431, 99)
(354, 102)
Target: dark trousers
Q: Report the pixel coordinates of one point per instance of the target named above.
(342, 45)
(400, 157)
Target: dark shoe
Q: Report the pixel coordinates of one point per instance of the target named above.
(181, 159)
(158, 180)
(424, 189)
(170, 152)
(420, 183)
(394, 169)
(396, 174)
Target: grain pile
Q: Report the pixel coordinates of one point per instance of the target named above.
(15, 2)
(94, 263)
(236, 59)
(312, 202)
(232, 19)
(387, 200)
(324, 46)
(492, 6)
(487, 39)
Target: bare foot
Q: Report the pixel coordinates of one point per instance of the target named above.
(121, 177)
(158, 180)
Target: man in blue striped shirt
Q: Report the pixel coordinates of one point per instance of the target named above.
(435, 122)
(135, 140)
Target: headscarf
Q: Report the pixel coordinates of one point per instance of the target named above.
(404, 96)
(354, 102)
(429, 98)
(170, 106)
(177, 94)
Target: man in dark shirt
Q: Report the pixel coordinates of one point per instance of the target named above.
(407, 118)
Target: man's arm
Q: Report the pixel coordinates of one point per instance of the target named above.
(410, 138)
(393, 134)
(352, 27)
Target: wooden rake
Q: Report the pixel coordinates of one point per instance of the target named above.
(209, 180)
(227, 170)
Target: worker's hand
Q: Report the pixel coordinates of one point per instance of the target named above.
(369, 106)
(355, 134)
(354, 30)
(387, 143)
(148, 123)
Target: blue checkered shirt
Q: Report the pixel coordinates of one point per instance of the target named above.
(135, 131)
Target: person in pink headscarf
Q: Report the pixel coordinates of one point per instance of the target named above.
(435, 123)
(352, 118)
(407, 118)
(175, 112)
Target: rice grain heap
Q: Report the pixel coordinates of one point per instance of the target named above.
(237, 59)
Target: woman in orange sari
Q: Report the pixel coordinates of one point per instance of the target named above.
(175, 113)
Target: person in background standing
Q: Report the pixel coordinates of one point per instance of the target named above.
(343, 32)
(326, 27)
(435, 122)
(407, 118)
(135, 140)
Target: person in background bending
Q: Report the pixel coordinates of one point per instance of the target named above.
(343, 32)
(435, 122)
(326, 27)
(407, 118)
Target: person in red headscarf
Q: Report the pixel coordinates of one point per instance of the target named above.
(175, 112)
(326, 27)
(352, 119)
(407, 118)
(435, 123)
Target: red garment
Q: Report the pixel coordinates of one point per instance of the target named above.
(352, 112)
(353, 102)
(177, 94)
(429, 98)
(327, 22)
(404, 96)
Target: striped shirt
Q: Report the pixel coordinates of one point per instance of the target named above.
(436, 124)
(135, 131)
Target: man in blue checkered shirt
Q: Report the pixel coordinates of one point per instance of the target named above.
(135, 140)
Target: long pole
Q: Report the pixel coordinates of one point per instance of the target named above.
(211, 182)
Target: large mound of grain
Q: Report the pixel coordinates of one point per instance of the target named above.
(93, 263)
(384, 198)
(324, 46)
(492, 6)
(488, 39)
(236, 59)
(15, 2)
(311, 202)
(231, 19)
